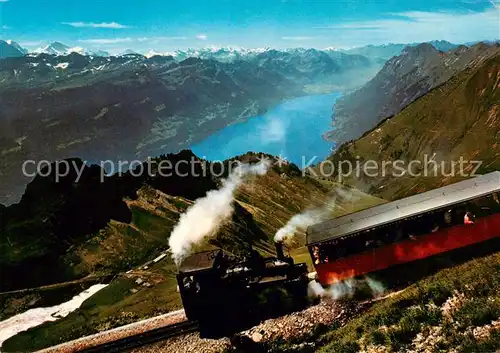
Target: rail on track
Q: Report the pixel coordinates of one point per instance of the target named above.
(155, 335)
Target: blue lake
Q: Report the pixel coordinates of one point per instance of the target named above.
(292, 129)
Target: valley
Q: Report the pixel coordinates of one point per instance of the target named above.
(132, 107)
(282, 131)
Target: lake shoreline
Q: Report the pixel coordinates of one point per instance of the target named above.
(285, 130)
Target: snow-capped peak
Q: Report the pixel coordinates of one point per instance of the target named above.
(221, 53)
(57, 48)
(78, 50)
(152, 53)
(17, 46)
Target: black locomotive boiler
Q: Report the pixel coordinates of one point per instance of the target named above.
(226, 294)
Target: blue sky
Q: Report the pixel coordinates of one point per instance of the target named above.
(166, 25)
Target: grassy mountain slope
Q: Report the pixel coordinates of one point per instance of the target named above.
(453, 310)
(262, 206)
(460, 118)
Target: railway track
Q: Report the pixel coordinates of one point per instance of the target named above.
(128, 343)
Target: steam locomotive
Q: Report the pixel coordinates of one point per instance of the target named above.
(233, 292)
(219, 288)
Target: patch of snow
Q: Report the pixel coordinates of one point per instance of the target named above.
(35, 317)
(62, 66)
(159, 258)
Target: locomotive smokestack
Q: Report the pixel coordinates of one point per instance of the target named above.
(279, 251)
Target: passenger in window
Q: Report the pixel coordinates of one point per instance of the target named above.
(447, 218)
(468, 218)
(495, 198)
(316, 255)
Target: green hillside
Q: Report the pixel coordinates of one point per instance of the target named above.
(262, 206)
(459, 119)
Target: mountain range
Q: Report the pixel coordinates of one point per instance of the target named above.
(422, 102)
(403, 79)
(387, 51)
(226, 54)
(459, 119)
(122, 108)
(57, 48)
(131, 106)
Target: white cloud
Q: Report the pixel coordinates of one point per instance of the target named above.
(5, 27)
(298, 38)
(150, 40)
(421, 26)
(4, 0)
(113, 25)
(202, 36)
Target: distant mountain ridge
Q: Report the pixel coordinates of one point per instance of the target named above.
(459, 119)
(403, 79)
(387, 51)
(57, 48)
(10, 49)
(229, 53)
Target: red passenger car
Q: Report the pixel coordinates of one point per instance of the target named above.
(406, 230)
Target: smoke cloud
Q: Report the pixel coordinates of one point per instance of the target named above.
(303, 220)
(336, 291)
(208, 213)
(315, 289)
(345, 288)
(310, 217)
(377, 287)
(342, 289)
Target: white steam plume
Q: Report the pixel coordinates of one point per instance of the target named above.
(303, 220)
(315, 289)
(377, 287)
(345, 288)
(308, 218)
(208, 213)
(335, 291)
